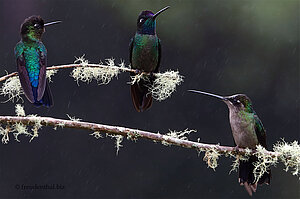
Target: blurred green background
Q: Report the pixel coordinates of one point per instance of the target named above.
(220, 46)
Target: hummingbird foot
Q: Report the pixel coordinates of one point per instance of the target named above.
(151, 74)
(137, 71)
(236, 149)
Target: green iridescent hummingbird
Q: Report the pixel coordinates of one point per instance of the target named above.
(31, 55)
(248, 132)
(145, 54)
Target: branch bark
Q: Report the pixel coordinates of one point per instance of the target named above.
(3, 78)
(127, 132)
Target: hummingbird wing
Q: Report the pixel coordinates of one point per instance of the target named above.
(134, 88)
(159, 56)
(261, 136)
(139, 92)
(260, 131)
(130, 49)
(42, 75)
(246, 176)
(24, 77)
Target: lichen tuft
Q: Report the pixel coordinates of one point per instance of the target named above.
(73, 119)
(289, 154)
(12, 88)
(265, 161)
(20, 129)
(180, 134)
(4, 132)
(138, 77)
(211, 158)
(235, 164)
(237, 158)
(106, 73)
(165, 84)
(36, 127)
(133, 135)
(20, 110)
(83, 73)
(119, 139)
(50, 74)
(96, 134)
(102, 73)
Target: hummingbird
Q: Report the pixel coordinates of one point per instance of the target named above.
(31, 57)
(144, 55)
(248, 132)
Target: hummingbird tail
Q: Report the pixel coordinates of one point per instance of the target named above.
(46, 99)
(246, 176)
(141, 98)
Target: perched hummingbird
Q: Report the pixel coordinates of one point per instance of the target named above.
(145, 53)
(247, 131)
(31, 55)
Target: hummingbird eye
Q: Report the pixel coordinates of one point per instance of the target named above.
(238, 101)
(141, 20)
(36, 25)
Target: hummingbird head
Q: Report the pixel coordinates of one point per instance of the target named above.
(237, 102)
(33, 28)
(146, 22)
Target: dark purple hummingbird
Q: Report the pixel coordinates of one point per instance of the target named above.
(145, 53)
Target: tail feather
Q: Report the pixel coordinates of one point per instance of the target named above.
(141, 98)
(246, 176)
(47, 99)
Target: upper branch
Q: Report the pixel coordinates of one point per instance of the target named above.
(3, 78)
(162, 88)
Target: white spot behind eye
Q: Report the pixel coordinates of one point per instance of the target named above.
(36, 25)
(238, 101)
(141, 20)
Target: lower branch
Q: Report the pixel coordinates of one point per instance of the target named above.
(127, 132)
(289, 154)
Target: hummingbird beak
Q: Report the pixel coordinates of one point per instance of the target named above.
(52, 23)
(209, 94)
(162, 10)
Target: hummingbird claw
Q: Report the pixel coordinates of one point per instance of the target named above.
(236, 149)
(137, 71)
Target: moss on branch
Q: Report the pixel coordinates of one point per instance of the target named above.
(287, 153)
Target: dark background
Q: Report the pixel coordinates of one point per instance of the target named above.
(224, 47)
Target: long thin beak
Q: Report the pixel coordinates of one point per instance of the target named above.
(209, 94)
(162, 10)
(51, 23)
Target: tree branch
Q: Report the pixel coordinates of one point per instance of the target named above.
(162, 87)
(3, 78)
(288, 154)
(8, 76)
(127, 132)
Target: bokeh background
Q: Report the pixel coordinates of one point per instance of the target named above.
(224, 47)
